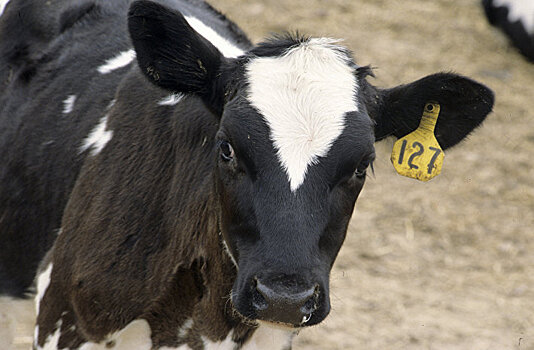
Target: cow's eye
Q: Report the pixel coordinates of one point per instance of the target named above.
(361, 170)
(360, 173)
(227, 152)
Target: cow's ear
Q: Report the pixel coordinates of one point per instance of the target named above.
(464, 106)
(171, 53)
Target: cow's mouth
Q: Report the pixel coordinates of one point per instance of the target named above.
(279, 325)
(283, 308)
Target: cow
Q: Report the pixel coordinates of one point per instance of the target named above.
(516, 19)
(178, 186)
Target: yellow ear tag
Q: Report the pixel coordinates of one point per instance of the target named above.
(418, 154)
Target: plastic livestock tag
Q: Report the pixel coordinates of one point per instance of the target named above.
(418, 154)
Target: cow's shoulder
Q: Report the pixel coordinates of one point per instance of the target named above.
(28, 28)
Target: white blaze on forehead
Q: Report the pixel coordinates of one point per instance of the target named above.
(43, 281)
(519, 10)
(303, 96)
(227, 48)
(121, 60)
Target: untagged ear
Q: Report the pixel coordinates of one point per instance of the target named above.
(171, 53)
(464, 106)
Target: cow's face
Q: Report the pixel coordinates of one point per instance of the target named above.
(297, 125)
(294, 145)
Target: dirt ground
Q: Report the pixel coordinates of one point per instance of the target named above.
(447, 264)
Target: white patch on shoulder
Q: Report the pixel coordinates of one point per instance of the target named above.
(3, 4)
(136, 335)
(519, 10)
(266, 337)
(122, 59)
(226, 344)
(171, 100)
(52, 339)
(182, 332)
(98, 138)
(68, 104)
(303, 96)
(43, 281)
(227, 48)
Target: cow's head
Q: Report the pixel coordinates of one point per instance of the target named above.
(298, 122)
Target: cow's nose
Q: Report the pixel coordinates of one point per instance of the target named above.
(284, 305)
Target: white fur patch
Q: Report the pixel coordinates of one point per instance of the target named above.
(136, 335)
(52, 339)
(182, 332)
(519, 10)
(227, 48)
(226, 344)
(43, 281)
(303, 96)
(121, 60)
(171, 100)
(3, 4)
(98, 138)
(35, 336)
(266, 337)
(68, 104)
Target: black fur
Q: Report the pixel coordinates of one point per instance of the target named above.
(162, 58)
(464, 106)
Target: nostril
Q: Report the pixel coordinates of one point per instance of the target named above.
(284, 302)
(310, 305)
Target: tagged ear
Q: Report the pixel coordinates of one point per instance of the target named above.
(170, 53)
(464, 106)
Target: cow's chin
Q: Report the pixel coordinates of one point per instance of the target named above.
(279, 325)
(270, 324)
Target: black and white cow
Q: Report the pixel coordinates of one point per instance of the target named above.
(194, 188)
(516, 19)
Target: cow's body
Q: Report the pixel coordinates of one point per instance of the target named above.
(61, 69)
(182, 204)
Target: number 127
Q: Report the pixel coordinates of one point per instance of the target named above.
(419, 152)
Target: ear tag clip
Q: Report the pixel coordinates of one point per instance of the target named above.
(418, 154)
